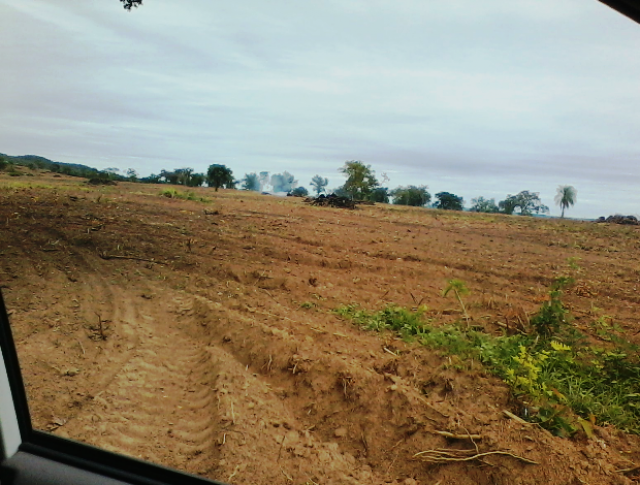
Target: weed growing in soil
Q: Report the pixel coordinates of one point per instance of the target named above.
(561, 380)
(552, 314)
(176, 194)
(406, 322)
(459, 289)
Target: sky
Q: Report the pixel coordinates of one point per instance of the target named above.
(475, 98)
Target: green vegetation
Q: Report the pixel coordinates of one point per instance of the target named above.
(552, 314)
(299, 192)
(34, 162)
(379, 194)
(361, 184)
(361, 180)
(459, 289)
(525, 203)
(220, 176)
(449, 201)
(411, 195)
(565, 197)
(407, 323)
(182, 176)
(176, 194)
(561, 381)
(480, 204)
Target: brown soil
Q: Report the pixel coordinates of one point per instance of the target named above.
(220, 353)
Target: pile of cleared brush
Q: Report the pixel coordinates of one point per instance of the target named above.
(618, 219)
(332, 200)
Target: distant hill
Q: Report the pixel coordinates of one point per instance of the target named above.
(35, 161)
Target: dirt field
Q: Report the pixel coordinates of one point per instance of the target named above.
(217, 350)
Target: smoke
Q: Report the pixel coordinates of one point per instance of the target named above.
(283, 182)
(264, 180)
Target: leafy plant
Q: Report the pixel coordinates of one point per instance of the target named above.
(459, 289)
(552, 314)
(408, 323)
(573, 263)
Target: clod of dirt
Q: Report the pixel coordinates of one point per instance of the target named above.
(340, 432)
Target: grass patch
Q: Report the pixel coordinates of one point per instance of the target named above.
(25, 185)
(176, 194)
(563, 381)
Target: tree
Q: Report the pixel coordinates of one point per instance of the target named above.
(319, 184)
(361, 179)
(566, 197)
(379, 194)
(299, 192)
(283, 182)
(340, 192)
(169, 177)
(526, 202)
(184, 175)
(508, 205)
(132, 175)
(251, 182)
(196, 180)
(220, 176)
(411, 195)
(112, 172)
(449, 201)
(480, 204)
(151, 179)
(127, 4)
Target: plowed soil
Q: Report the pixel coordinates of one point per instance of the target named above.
(202, 336)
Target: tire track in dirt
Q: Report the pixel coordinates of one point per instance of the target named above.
(260, 434)
(74, 370)
(156, 403)
(286, 410)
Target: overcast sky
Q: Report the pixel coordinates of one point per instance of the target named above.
(476, 98)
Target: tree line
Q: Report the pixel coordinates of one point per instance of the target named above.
(361, 184)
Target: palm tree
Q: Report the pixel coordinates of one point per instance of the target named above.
(565, 197)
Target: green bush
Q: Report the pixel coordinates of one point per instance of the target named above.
(552, 315)
(176, 194)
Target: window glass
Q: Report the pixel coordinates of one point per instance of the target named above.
(264, 242)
